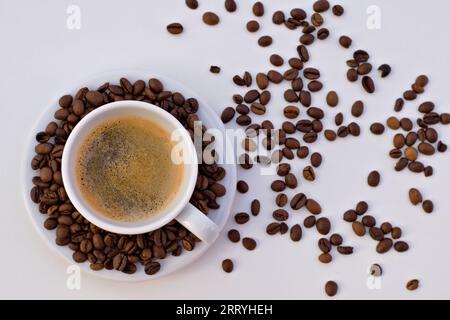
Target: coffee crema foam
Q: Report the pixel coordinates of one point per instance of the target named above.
(125, 171)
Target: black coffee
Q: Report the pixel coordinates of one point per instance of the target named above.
(125, 171)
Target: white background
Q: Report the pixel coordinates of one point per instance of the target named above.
(40, 59)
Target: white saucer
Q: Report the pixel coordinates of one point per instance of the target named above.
(169, 264)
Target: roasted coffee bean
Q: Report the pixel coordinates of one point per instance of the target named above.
(315, 113)
(283, 228)
(291, 181)
(321, 6)
(278, 185)
(290, 74)
(306, 39)
(275, 77)
(262, 81)
(384, 245)
(280, 215)
(330, 135)
(258, 9)
(399, 141)
(393, 123)
(152, 267)
(192, 4)
(361, 56)
(292, 143)
(342, 131)
(242, 109)
(431, 135)
(361, 208)
(276, 60)
(384, 70)
(311, 73)
(281, 200)
(441, 147)
(415, 196)
(426, 107)
(332, 99)
(316, 19)
(241, 218)
(227, 114)
(386, 227)
(296, 63)
(308, 173)
(406, 124)
(364, 68)
(358, 228)
(323, 225)
(345, 250)
(214, 69)
(291, 112)
(296, 233)
(338, 10)
(242, 186)
(411, 138)
(396, 233)
(325, 258)
(323, 33)
(416, 166)
(395, 153)
(412, 285)
(288, 127)
(255, 207)
(175, 28)
(357, 108)
(445, 118)
(298, 201)
(234, 235)
(369, 221)
(243, 120)
(428, 171)
(409, 95)
(210, 18)
(331, 287)
(297, 84)
(428, 206)
(249, 243)
(350, 215)
(252, 26)
(305, 98)
(278, 17)
(398, 106)
(336, 239)
(316, 159)
(352, 75)
(373, 179)
(338, 119)
(302, 152)
(377, 128)
(273, 228)
(376, 233)
(287, 153)
(401, 246)
(426, 148)
(309, 222)
(227, 265)
(265, 41)
(283, 169)
(324, 245)
(230, 5)
(368, 84)
(345, 41)
(313, 206)
(315, 86)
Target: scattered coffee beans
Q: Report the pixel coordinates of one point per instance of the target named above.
(331, 288)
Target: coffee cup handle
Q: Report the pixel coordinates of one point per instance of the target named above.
(198, 223)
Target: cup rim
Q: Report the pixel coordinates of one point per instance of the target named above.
(79, 204)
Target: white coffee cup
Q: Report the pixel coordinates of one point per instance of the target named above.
(179, 207)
